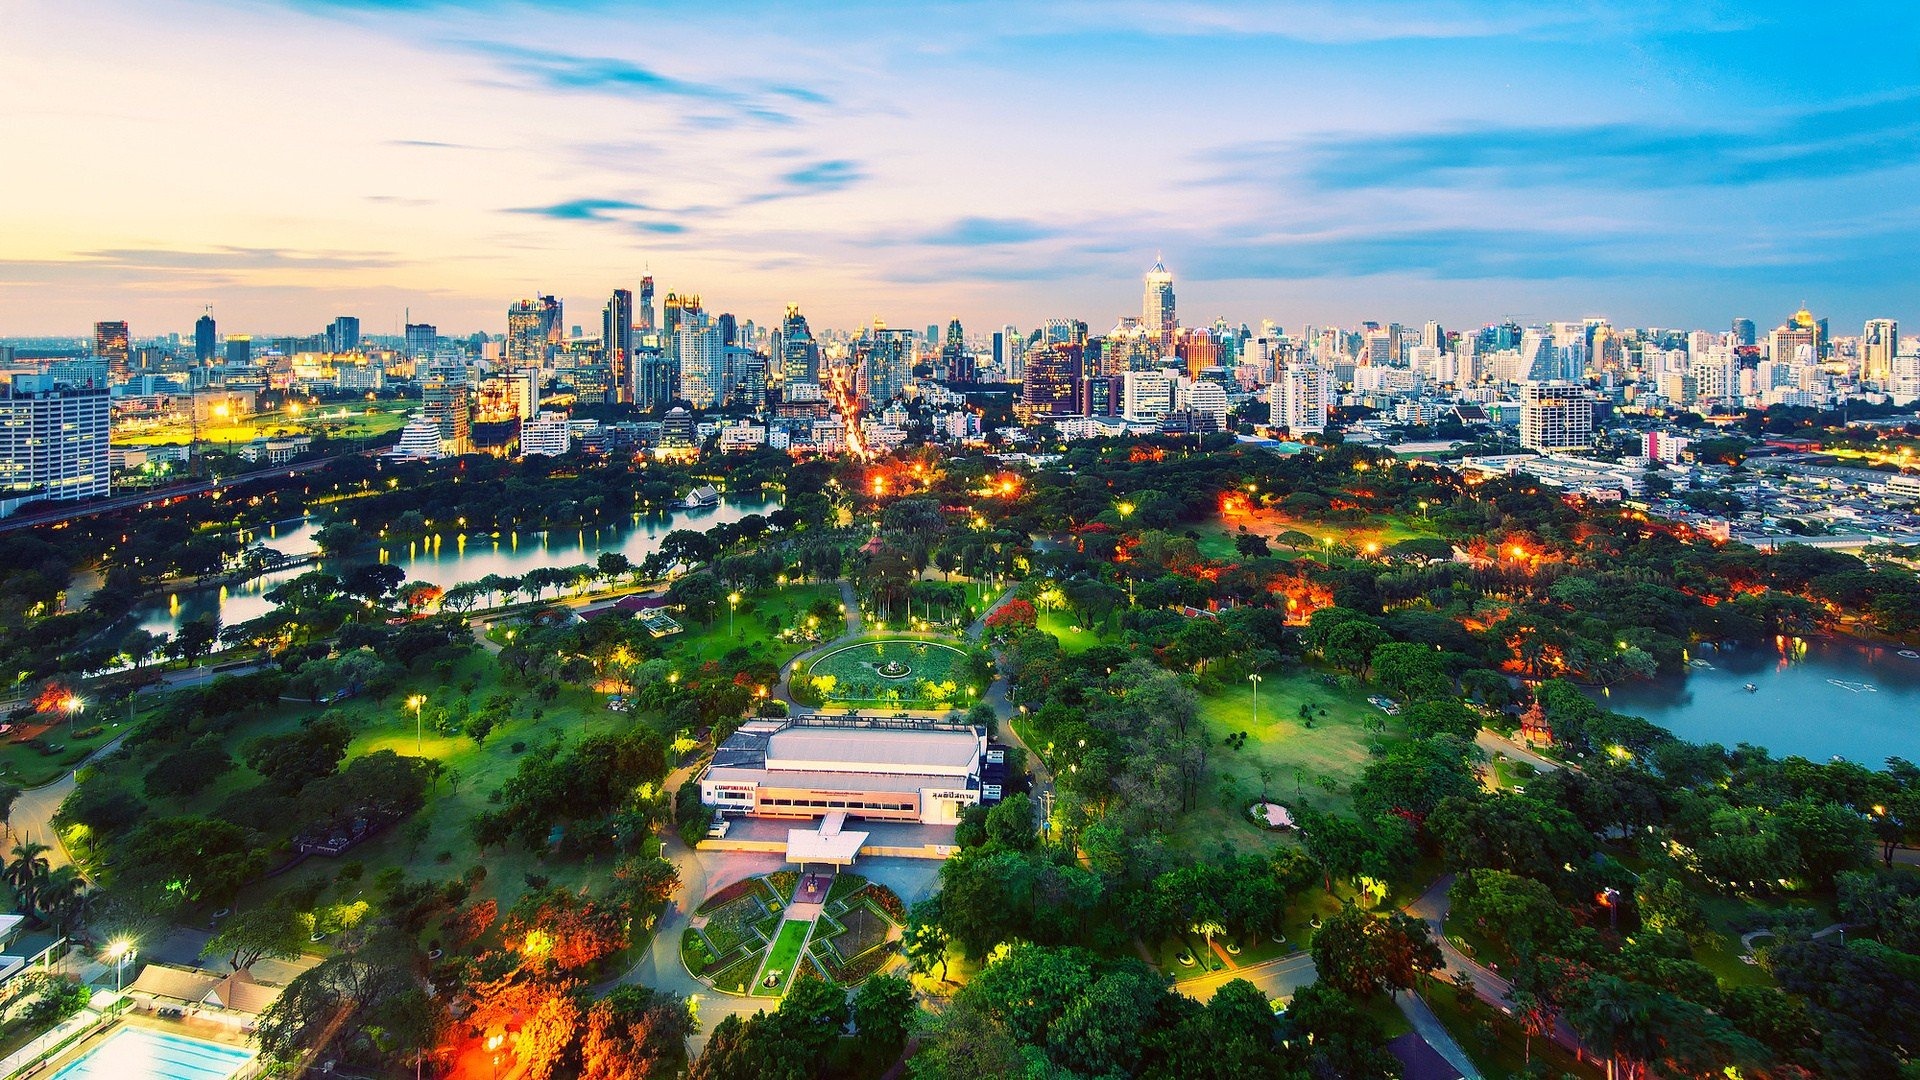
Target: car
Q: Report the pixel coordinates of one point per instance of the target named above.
(719, 828)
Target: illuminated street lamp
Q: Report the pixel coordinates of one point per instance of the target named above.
(73, 706)
(1125, 509)
(1255, 680)
(118, 954)
(415, 702)
(733, 603)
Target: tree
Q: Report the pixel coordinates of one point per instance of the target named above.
(337, 538)
(925, 940)
(1325, 1034)
(196, 637)
(883, 1011)
(187, 859)
(189, 770)
(27, 870)
(364, 1002)
(1518, 910)
(1410, 672)
(1010, 824)
(1439, 716)
(1336, 845)
(9, 794)
(249, 936)
(1361, 955)
(635, 1033)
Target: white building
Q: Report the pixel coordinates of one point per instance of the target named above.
(419, 440)
(789, 769)
(1300, 398)
(1146, 395)
(53, 438)
(1555, 416)
(547, 434)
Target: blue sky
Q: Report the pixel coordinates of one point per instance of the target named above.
(1658, 163)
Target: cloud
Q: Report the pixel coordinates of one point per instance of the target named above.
(431, 144)
(978, 231)
(833, 175)
(580, 209)
(563, 71)
(237, 258)
(1813, 145)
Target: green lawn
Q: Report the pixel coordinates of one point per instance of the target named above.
(1217, 536)
(755, 626)
(1074, 638)
(361, 420)
(1496, 1042)
(780, 960)
(31, 766)
(1299, 761)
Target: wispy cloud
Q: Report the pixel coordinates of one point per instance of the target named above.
(979, 231)
(564, 71)
(580, 209)
(1813, 145)
(238, 258)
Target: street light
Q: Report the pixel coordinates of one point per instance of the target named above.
(1255, 680)
(119, 953)
(73, 706)
(733, 602)
(414, 703)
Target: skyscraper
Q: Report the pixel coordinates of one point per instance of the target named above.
(343, 336)
(53, 439)
(676, 308)
(112, 344)
(1157, 313)
(1052, 383)
(954, 356)
(645, 311)
(702, 358)
(886, 367)
(534, 331)
(659, 379)
(205, 344)
(799, 353)
(1879, 344)
(449, 406)
(239, 350)
(1743, 332)
(616, 342)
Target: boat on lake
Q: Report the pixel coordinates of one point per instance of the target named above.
(1751, 689)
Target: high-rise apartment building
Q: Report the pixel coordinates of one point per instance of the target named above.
(1052, 383)
(954, 357)
(343, 335)
(53, 439)
(703, 359)
(616, 344)
(1744, 333)
(1300, 397)
(659, 379)
(1146, 396)
(677, 308)
(1785, 343)
(1555, 416)
(883, 362)
(546, 434)
(112, 344)
(1879, 344)
(1157, 313)
(239, 350)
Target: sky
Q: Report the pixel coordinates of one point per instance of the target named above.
(1305, 161)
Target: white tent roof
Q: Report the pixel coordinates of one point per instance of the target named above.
(816, 846)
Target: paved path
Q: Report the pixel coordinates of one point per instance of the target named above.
(1495, 743)
(1428, 1027)
(853, 607)
(33, 811)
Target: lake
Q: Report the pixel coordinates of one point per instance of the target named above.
(1815, 697)
(445, 561)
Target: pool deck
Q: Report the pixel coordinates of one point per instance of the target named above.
(204, 1030)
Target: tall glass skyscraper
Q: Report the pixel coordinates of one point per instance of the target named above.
(1157, 313)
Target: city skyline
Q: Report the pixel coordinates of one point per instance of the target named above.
(1463, 162)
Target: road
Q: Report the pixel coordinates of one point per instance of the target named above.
(32, 817)
(1275, 978)
(1432, 906)
(1492, 742)
(109, 505)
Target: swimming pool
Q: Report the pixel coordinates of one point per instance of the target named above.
(135, 1053)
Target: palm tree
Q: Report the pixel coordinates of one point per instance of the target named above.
(27, 872)
(61, 895)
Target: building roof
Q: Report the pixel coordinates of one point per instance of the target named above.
(798, 779)
(238, 992)
(794, 749)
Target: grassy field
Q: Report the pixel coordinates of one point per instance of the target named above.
(350, 421)
(756, 625)
(781, 958)
(31, 766)
(1216, 536)
(1300, 762)
(1074, 638)
(1496, 1041)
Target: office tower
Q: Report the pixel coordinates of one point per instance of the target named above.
(1801, 330)
(421, 338)
(1433, 337)
(1879, 344)
(1301, 395)
(729, 328)
(999, 354)
(53, 439)
(645, 311)
(1743, 332)
(616, 345)
(1202, 404)
(1105, 395)
(449, 406)
(702, 358)
(883, 361)
(1555, 416)
(534, 331)
(746, 378)
(111, 343)
(205, 345)
(1157, 314)
(1146, 395)
(677, 308)
(659, 376)
(954, 356)
(343, 336)
(799, 353)
(548, 434)
(239, 350)
(522, 386)
(1052, 383)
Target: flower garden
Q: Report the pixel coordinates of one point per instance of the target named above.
(742, 943)
(890, 671)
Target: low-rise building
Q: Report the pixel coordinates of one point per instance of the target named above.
(814, 766)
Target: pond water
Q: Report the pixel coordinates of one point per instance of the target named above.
(1815, 697)
(446, 560)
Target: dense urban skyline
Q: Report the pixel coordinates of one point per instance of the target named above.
(1653, 163)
